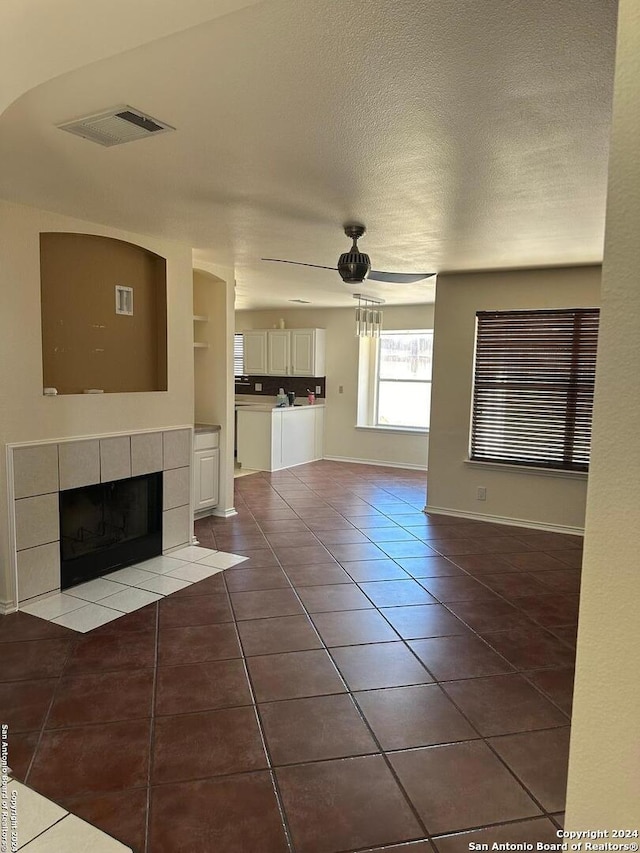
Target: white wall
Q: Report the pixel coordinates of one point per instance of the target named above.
(342, 439)
(513, 494)
(25, 414)
(604, 764)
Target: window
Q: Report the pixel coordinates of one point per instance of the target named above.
(533, 387)
(238, 355)
(403, 379)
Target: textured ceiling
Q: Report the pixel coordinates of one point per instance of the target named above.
(40, 39)
(465, 135)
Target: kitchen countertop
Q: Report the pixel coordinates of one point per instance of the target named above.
(270, 407)
(206, 427)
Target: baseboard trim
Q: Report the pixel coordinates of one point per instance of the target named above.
(501, 519)
(297, 465)
(225, 513)
(7, 607)
(167, 552)
(377, 462)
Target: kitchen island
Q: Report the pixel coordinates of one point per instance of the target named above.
(270, 438)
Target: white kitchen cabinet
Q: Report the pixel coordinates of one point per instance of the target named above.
(206, 477)
(307, 352)
(270, 439)
(255, 352)
(278, 352)
(284, 352)
(298, 441)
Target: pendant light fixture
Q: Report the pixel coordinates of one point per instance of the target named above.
(368, 316)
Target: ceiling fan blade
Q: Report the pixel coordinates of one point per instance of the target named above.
(298, 264)
(398, 277)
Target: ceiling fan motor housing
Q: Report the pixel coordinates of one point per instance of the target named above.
(354, 267)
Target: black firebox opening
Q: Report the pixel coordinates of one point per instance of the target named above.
(108, 526)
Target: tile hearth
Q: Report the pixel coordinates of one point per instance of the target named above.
(97, 602)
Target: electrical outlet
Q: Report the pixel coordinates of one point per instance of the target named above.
(318, 389)
(340, 389)
(258, 386)
(482, 493)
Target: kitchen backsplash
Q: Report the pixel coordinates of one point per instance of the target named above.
(271, 384)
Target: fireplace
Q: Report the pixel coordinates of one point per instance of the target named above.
(108, 526)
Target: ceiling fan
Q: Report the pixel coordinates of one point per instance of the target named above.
(354, 266)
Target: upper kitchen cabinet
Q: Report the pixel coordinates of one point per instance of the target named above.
(284, 352)
(307, 352)
(255, 352)
(278, 352)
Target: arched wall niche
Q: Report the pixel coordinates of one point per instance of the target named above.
(87, 345)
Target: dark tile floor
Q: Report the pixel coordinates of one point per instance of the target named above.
(371, 678)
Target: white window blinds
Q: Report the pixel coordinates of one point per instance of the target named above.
(238, 355)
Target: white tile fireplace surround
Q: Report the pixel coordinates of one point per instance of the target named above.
(37, 473)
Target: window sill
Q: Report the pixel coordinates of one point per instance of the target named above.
(390, 429)
(529, 469)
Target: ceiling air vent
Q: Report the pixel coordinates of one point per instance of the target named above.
(116, 126)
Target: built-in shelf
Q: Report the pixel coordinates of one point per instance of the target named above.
(200, 345)
(200, 318)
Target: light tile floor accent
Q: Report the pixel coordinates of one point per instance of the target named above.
(219, 560)
(44, 827)
(97, 589)
(89, 605)
(54, 605)
(87, 618)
